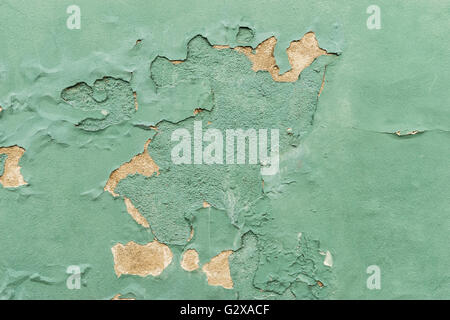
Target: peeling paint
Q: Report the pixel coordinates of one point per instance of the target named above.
(301, 54)
(141, 163)
(137, 216)
(109, 94)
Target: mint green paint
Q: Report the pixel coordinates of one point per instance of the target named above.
(177, 103)
(245, 35)
(213, 233)
(369, 196)
(2, 163)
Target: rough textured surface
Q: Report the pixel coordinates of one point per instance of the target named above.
(364, 137)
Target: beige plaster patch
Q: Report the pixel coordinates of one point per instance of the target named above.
(141, 260)
(190, 260)
(12, 177)
(218, 270)
(301, 54)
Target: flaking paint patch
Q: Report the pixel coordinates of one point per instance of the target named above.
(115, 96)
(218, 270)
(12, 178)
(141, 260)
(141, 163)
(171, 200)
(190, 260)
(137, 216)
(301, 53)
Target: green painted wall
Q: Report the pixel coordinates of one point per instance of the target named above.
(347, 183)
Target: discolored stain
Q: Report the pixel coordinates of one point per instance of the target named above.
(218, 270)
(141, 260)
(11, 177)
(190, 260)
(141, 163)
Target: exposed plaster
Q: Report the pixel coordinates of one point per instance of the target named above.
(141, 260)
(12, 178)
(218, 270)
